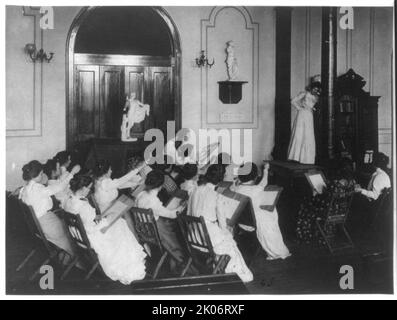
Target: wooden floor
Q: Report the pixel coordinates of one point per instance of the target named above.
(310, 270)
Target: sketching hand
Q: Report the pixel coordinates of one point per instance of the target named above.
(75, 169)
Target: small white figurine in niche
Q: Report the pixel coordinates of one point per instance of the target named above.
(231, 61)
(134, 112)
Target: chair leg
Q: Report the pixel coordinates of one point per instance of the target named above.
(159, 265)
(38, 269)
(347, 236)
(324, 236)
(69, 267)
(22, 264)
(221, 265)
(89, 274)
(257, 252)
(187, 267)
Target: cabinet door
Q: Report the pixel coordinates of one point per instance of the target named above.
(162, 93)
(85, 117)
(112, 100)
(136, 80)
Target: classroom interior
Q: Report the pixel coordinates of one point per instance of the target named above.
(71, 96)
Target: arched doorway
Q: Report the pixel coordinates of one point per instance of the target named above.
(112, 51)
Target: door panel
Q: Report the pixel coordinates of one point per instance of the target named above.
(112, 102)
(136, 81)
(161, 91)
(100, 93)
(86, 113)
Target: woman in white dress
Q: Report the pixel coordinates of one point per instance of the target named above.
(206, 202)
(106, 188)
(267, 228)
(38, 196)
(119, 253)
(165, 217)
(302, 146)
(53, 171)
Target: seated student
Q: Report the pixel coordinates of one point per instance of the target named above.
(38, 196)
(189, 176)
(379, 180)
(52, 171)
(225, 160)
(106, 188)
(205, 202)
(165, 218)
(267, 228)
(315, 207)
(63, 160)
(169, 185)
(119, 253)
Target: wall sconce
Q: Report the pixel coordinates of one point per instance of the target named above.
(35, 55)
(202, 61)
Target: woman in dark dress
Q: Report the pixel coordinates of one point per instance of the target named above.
(315, 207)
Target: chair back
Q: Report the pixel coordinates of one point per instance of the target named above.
(33, 225)
(79, 236)
(196, 235)
(338, 207)
(146, 227)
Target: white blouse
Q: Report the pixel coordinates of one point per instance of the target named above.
(87, 213)
(304, 101)
(379, 181)
(149, 200)
(39, 196)
(106, 189)
(205, 202)
(189, 186)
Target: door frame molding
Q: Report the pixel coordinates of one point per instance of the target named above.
(69, 57)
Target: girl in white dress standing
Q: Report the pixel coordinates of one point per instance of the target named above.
(267, 228)
(106, 188)
(302, 146)
(206, 202)
(38, 196)
(119, 253)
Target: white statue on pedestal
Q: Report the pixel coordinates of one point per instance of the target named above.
(134, 112)
(231, 61)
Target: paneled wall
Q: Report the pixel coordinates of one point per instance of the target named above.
(45, 83)
(367, 49)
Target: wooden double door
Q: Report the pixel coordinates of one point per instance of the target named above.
(101, 85)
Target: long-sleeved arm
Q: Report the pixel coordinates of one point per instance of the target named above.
(297, 101)
(378, 185)
(264, 180)
(59, 186)
(121, 182)
(162, 211)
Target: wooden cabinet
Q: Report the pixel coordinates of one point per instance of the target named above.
(356, 118)
(102, 83)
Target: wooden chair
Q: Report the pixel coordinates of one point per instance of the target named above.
(337, 210)
(82, 245)
(148, 235)
(39, 239)
(200, 247)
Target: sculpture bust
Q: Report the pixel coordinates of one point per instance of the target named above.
(134, 112)
(231, 61)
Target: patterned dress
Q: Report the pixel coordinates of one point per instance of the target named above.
(315, 207)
